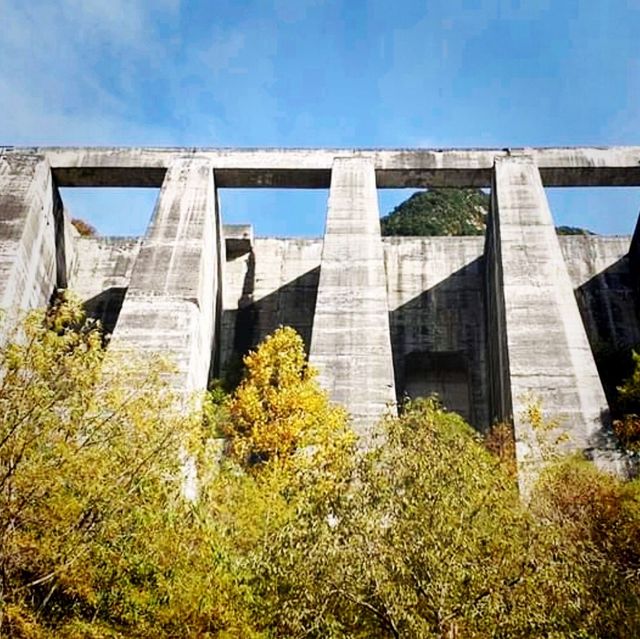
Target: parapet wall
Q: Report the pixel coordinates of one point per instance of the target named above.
(484, 322)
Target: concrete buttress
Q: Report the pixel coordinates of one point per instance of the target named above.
(31, 234)
(538, 347)
(171, 303)
(350, 343)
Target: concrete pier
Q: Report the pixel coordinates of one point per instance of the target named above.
(538, 347)
(350, 343)
(490, 326)
(32, 260)
(171, 303)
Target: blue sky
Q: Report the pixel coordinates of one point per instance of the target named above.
(339, 73)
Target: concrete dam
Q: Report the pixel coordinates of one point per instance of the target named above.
(488, 323)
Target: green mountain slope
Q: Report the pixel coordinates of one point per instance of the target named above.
(447, 211)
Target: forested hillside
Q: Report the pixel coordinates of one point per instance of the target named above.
(446, 211)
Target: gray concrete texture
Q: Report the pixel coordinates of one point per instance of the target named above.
(171, 302)
(537, 337)
(29, 269)
(350, 340)
(485, 323)
(311, 168)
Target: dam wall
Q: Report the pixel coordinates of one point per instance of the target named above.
(483, 322)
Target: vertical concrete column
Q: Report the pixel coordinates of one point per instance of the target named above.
(350, 343)
(538, 347)
(30, 217)
(171, 303)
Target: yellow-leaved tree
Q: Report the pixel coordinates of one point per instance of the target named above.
(278, 412)
(96, 539)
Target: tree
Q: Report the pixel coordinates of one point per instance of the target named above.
(428, 538)
(84, 228)
(299, 537)
(447, 211)
(95, 537)
(572, 230)
(278, 410)
(627, 427)
(597, 518)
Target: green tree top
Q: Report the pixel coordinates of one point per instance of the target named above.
(447, 211)
(439, 212)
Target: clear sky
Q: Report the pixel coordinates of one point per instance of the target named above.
(339, 73)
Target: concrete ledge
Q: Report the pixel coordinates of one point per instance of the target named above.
(238, 239)
(311, 168)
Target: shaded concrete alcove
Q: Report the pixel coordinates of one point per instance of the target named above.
(439, 344)
(608, 304)
(244, 327)
(105, 307)
(445, 374)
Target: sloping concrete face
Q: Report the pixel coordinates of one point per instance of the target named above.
(30, 219)
(171, 303)
(350, 342)
(538, 348)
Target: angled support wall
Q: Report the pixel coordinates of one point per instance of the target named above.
(171, 303)
(32, 229)
(538, 348)
(350, 343)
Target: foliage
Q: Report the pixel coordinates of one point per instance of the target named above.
(278, 409)
(95, 535)
(598, 518)
(428, 538)
(446, 211)
(627, 428)
(294, 533)
(572, 230)
(84, 228)
(500, 441)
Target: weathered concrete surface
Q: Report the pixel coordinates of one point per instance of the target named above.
(102, 275)
(601, 274)
(538, 347)
(605, 283)
(275, 284)
(438, 332)
(435, 298)
(171, 304)
(311, 168)
(350, 342)
(30, 219)
(238, 239)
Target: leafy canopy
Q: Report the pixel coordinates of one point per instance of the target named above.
(278, 408)
(96, 538)
(447, 211)
(439, 212)
(294, 534)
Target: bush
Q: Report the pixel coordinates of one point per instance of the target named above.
(96, 537)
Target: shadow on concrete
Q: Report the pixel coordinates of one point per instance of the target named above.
(609, 307)
(106, 307)
(439, 344)
(291, 305)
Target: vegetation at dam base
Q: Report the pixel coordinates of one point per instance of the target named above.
(294, 533)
